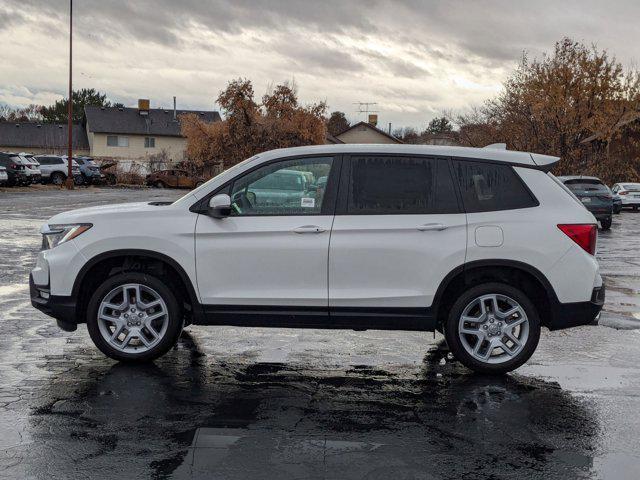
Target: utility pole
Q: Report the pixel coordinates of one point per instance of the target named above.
(69, 182)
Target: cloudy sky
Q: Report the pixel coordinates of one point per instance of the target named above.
(414, 58)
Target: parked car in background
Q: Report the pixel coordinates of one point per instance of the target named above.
(89, 171)
(16, 169)
(55, 168)
(32, 167)
(173, 178)
(483, 245)
(629, 193)
(284, 188)
(4, 178)
(594, 195)
(617, 202)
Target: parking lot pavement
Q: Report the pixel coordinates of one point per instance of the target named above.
(276, 403)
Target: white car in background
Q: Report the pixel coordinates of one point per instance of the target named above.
(55, 168)
(32, 167)
(629, 193)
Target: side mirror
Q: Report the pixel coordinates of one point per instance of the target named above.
(220, 206)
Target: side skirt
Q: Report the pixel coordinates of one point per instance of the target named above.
(412, 319)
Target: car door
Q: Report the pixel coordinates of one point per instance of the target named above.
(184, 179)
(398, 231)
(268, 254)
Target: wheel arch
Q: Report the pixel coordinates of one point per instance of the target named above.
(129, 260)
(521, 275)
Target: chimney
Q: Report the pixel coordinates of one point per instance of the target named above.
(373, 119)
(174, 109)
(143, 106)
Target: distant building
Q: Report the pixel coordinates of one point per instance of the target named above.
(363, 132)
(120, 133)
(42, 138)
(135, 133)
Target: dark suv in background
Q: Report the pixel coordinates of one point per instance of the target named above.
(16, 169)
(594, 195)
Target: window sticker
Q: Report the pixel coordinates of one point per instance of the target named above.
(307, 202)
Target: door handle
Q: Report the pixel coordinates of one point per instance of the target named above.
(309, 229)
(427, 227)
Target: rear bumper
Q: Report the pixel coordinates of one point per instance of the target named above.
(62, 308)
(567, 315)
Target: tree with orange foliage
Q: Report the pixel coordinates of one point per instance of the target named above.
(559, 105)
(250, 128)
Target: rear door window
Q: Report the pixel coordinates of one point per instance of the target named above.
(382, 185)
(487, 187)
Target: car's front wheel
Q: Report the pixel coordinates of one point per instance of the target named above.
(493, 328)
(134, 317)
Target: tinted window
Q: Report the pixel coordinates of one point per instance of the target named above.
(585, 185)
(290, 187)
(400, 185)
(487, 187)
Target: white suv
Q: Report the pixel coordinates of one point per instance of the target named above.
(483, 245)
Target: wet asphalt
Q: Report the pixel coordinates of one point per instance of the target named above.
(233, 403)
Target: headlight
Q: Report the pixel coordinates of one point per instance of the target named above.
(54, 235)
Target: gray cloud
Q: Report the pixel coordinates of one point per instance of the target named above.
(410, 54)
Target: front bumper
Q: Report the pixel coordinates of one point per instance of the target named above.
(567, 315)
(62, 308)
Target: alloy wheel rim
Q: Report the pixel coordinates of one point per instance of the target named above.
(133, 318)
(493, 328)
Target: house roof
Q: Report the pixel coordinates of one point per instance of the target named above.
(330, 139)
(25, 135)
(129, 121)
(368, 125)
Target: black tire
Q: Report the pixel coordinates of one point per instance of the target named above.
(175, 320)
(58, 178)
(198, 183)
(455, 344)
(606, 223)
(159, 184)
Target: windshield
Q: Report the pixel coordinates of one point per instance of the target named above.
(586, 185)
(19, 160)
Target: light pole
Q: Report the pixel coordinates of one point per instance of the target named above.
(69, 181)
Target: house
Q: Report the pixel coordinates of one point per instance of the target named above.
(363, 132)
(136, 133)
(42, 138)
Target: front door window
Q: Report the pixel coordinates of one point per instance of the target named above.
(290, 187)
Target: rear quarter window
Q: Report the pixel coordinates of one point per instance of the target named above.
(487, 187)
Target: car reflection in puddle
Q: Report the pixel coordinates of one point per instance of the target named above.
(191, 416)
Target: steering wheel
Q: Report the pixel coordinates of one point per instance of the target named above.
(243, 200)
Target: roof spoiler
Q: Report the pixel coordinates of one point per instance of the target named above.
(497, 146)
(544, 162)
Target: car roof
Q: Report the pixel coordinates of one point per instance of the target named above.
(629, 183)
(527, 159)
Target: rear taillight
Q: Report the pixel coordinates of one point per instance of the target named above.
(584, 234)
(623, 193)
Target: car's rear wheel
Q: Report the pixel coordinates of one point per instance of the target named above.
(134, 317)
(493, 328)
(606, 223)
(58, 178)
